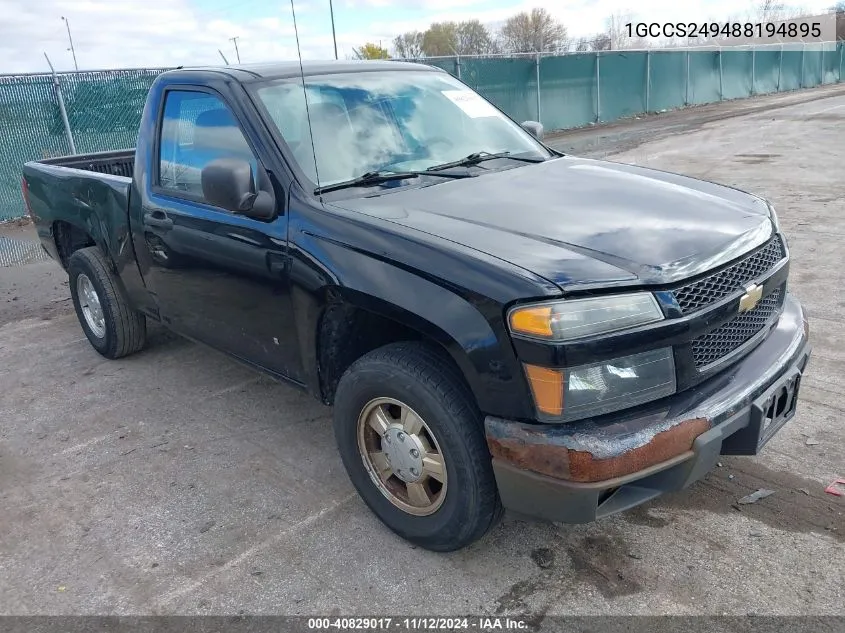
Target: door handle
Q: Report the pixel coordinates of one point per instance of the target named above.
(158, 220)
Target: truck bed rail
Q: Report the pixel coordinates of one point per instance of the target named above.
(116, 163)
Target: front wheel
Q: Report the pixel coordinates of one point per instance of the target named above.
(411, 440)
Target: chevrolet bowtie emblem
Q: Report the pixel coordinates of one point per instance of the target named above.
(751, 298)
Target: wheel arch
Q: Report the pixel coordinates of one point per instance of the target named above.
(351, 322)
(71, 237)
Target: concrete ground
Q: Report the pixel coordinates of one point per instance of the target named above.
(176, 481)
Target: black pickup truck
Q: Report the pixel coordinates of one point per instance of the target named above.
(496, 324)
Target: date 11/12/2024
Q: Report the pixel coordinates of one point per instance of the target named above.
(481, 623)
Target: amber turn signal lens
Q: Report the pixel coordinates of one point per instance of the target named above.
(536, 321)
(547, 388)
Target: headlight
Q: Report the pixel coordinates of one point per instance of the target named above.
(563, 395)
(577, 318)
(774, 217)
(618, 384)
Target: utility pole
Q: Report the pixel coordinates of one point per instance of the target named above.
(57, 87)
(334, 37)
(71, 49)
(235, 40)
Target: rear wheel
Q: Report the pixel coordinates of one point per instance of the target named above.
(411, 440)
(113, 328)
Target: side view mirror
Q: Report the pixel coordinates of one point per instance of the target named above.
(534, 128)
(229, 183)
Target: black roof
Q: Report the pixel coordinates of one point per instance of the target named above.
(280, 70)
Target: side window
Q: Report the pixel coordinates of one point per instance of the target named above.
(197, 128)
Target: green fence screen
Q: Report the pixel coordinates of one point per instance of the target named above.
(667, 87)
(103, 110)
(104, 107)
(509, 82)
(567, 91)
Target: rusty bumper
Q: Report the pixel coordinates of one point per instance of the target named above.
(579, 471)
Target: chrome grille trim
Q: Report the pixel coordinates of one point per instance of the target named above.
(704, 292)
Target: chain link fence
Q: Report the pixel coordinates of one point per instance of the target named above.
(102, 109)
(573, 90)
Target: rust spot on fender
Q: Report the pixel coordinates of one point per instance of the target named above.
(555, 459)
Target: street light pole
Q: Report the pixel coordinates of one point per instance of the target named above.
(237, 53)
(70, 39)
(334, 37)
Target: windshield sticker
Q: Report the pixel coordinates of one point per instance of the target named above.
(472, 104)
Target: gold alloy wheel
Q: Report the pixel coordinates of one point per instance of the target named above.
(402, 456)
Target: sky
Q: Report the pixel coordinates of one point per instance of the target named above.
(159, 33)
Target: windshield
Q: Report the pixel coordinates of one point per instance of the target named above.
(392, 121)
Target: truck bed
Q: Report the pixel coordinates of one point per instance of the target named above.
(115, 163)
(77, 199)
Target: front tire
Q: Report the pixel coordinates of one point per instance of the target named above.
(411, 440)
(113, 328)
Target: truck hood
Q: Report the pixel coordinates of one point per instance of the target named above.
(580, 222)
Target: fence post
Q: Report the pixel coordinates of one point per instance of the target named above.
(598, 87)
(780, 67)
(686, 81)
(753, 68)
(458, 66)
(821, 64)
(841, 49)
(721, 83)
(537, 69)
(803, 48)
(647, 80)
(57, 87)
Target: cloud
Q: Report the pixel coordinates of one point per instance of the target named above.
(142, 33)
(156, 33)
(404, 5)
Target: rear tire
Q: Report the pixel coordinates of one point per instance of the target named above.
(113, 328)
(413, 387)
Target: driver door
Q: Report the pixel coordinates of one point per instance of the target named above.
(218, 277)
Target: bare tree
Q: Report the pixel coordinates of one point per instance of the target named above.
(534, 31)
(838, 10)
(603, 42)
(600, 42)
(473, 38)
(409, 45)
(617, 33)
(775, 11)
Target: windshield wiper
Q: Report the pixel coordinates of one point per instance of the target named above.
(479, 157)
(377, 177)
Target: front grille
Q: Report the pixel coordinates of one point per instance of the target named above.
(705, 291)
(717, 344)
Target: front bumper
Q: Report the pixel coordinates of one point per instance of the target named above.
(581, 471)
